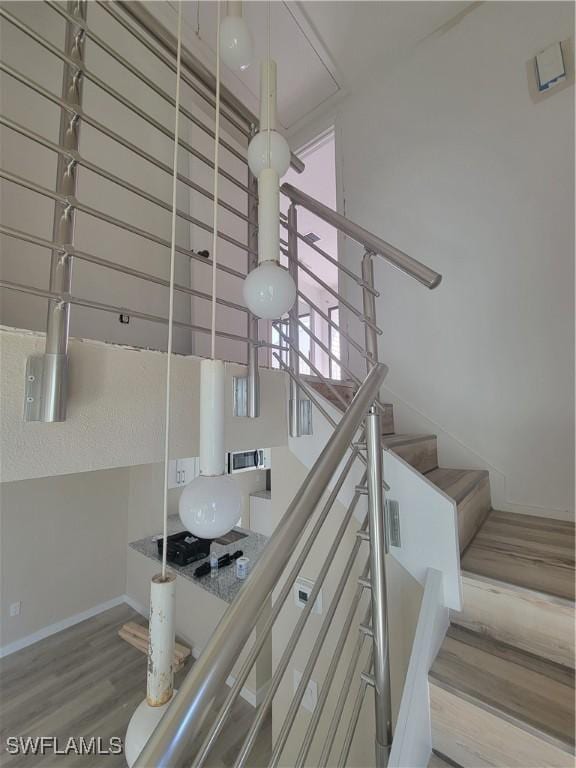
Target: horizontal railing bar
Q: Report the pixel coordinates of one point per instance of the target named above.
(338, 264)
(394, 256)
(315, 653)
(323, 378)
(134, 108)
(83, 256)
(329, 352)
(310, 364)
(105, 131)
(332, 356)
(55, 6)
(334, 325)
(354, 715)
(328, 288)
(74, 203)
(242, 127)
(77, 158)
(220, 721)
(67, 298)
(329, 678)
(282, 664)
(169, 43)
(190, 707)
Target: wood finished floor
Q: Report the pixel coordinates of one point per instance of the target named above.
(86, 681)
(532, 552)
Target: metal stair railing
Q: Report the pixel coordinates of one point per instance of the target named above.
(355, 439)
(191, 707)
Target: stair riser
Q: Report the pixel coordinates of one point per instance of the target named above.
(531, 621)
(473, 736)
(387, 420)
(472, 511)
(422, 455)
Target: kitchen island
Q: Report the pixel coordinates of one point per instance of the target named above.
(201, 602)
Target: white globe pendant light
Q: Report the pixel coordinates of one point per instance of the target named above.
(277, 158)
(269, 290)
(236, 43)
(211, 504)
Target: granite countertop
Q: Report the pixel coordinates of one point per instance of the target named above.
(225, 585)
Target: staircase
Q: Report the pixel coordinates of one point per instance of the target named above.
(502, 686)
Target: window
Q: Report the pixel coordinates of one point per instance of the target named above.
(277, 339)
(334, 342)
(304, 341)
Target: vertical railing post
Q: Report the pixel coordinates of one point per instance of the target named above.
(52, 387)
(293, 332)
(378, 548)
(253, 379)
(369, 310)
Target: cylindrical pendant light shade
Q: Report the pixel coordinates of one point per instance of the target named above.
(236, 44)
(268, 215)
(212, 452)
(268, 117)
(160, 678)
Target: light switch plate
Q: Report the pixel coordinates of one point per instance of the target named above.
(302, 589)
(550, 67)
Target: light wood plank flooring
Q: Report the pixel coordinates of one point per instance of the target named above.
(532, 552)
(86, 681)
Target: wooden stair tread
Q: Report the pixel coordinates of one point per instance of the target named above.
(534, 694)
(456, 483)
(394, 441)
(530, 552)
(436, 761)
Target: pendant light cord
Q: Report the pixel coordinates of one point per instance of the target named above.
(269, 99)
(171, 307)
(215, 193)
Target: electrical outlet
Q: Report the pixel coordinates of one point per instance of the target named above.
(310, 698)
(302, 589)
(15, 608)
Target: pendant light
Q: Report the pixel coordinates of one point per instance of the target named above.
(269, 290)
(161, 630)
(211, 504)
(236, 44)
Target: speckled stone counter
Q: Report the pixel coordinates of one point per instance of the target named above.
(225, 585)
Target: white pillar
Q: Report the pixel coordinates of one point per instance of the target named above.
(212, 452)
(160, 680)
(268, 216)
(268, 86)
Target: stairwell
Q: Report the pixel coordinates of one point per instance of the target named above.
(502, 685)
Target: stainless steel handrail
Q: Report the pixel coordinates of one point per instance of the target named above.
(111, 51)
(63, 248)
(125, 102)
(128, 186)
(189, 709)
(394, 256)
(242, 675)
(335, 263)
(66, 298)
(76, 204)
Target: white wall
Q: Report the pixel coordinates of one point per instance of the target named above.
(116, 410)
(448, 157)
(63, 548)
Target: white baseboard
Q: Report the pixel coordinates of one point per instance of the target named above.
(52, 629)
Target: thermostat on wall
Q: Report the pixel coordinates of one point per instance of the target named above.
(550, 67)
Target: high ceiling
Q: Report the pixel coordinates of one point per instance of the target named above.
(323, 48)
